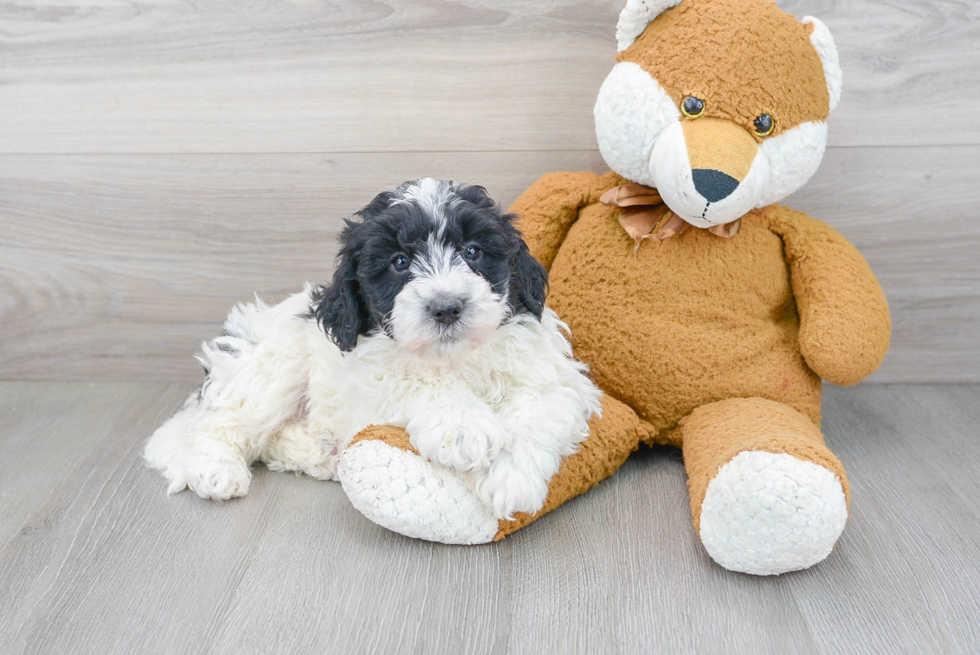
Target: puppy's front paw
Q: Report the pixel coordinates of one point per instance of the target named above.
(219, 479)
(466, 443)
(508, 487)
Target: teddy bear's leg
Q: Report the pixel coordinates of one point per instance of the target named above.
(767, 494)
(387, 481)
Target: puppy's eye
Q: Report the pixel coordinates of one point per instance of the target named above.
(472, 253)
(692, 107)
(764, 125)
(400, 263)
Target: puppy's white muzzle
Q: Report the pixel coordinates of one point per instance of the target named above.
(423, 320)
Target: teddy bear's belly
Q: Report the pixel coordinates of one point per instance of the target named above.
(689, 321)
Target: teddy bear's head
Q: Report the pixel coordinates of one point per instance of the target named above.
(719, 104)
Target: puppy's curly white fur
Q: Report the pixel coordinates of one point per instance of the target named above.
(436, 323)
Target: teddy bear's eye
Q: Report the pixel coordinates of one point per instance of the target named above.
(764, 125)
(692, 107)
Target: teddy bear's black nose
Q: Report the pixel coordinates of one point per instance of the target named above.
(713, 185)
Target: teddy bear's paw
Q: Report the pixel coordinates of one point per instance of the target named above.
(401, 491)
(769, 513)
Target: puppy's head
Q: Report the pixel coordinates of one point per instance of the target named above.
(436, 265)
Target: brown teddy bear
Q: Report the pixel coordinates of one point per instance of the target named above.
(707, 312)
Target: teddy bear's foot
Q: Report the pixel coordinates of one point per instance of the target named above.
(768, 513)
(767, 495)
(387, 481)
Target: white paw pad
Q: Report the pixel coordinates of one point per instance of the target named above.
(220, 480)
(768, 513)
(406, 494)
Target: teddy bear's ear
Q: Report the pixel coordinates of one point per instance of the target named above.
(823, 43)
(635, 17)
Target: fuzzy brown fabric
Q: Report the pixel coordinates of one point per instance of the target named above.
(844, 321)
(394, 437)
(613, 438)
(696, 319)
(741, 58)
(716, 433)
(719, 145)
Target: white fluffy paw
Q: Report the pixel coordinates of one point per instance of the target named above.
(406, 494)
(219, 479)
(460, 439)
(508, 487)
(767, 513)
(297, 448)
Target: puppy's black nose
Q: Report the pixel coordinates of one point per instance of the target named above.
(713, 185)
(446, 312)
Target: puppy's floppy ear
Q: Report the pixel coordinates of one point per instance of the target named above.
(380, 203)
(529, 284)
(477, 195)
(338, 308)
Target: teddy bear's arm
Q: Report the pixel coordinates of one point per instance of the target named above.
(547, 209)
(845, 327)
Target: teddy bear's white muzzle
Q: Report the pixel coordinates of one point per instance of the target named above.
(703, 197)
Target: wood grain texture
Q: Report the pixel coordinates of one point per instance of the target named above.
(96, 558)
(913, 461)
(44, 449)
(903, 578)
(914, 214)
(141, 76)
(118, 266)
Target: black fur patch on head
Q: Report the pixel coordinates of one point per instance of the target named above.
(506, 260)
(367, 280)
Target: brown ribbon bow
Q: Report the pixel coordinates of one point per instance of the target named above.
(641, 210)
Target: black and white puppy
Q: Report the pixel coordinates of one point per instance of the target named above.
(436, 323)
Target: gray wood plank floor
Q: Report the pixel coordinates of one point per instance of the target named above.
(95, 558)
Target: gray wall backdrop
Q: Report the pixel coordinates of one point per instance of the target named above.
(160, 160)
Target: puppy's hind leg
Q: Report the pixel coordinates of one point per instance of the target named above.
(166, 450)
(255, 378)
(193, 452)
(300, 447)
(215, 465)
(204, 446)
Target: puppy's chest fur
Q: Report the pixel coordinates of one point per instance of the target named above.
(379, 383)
